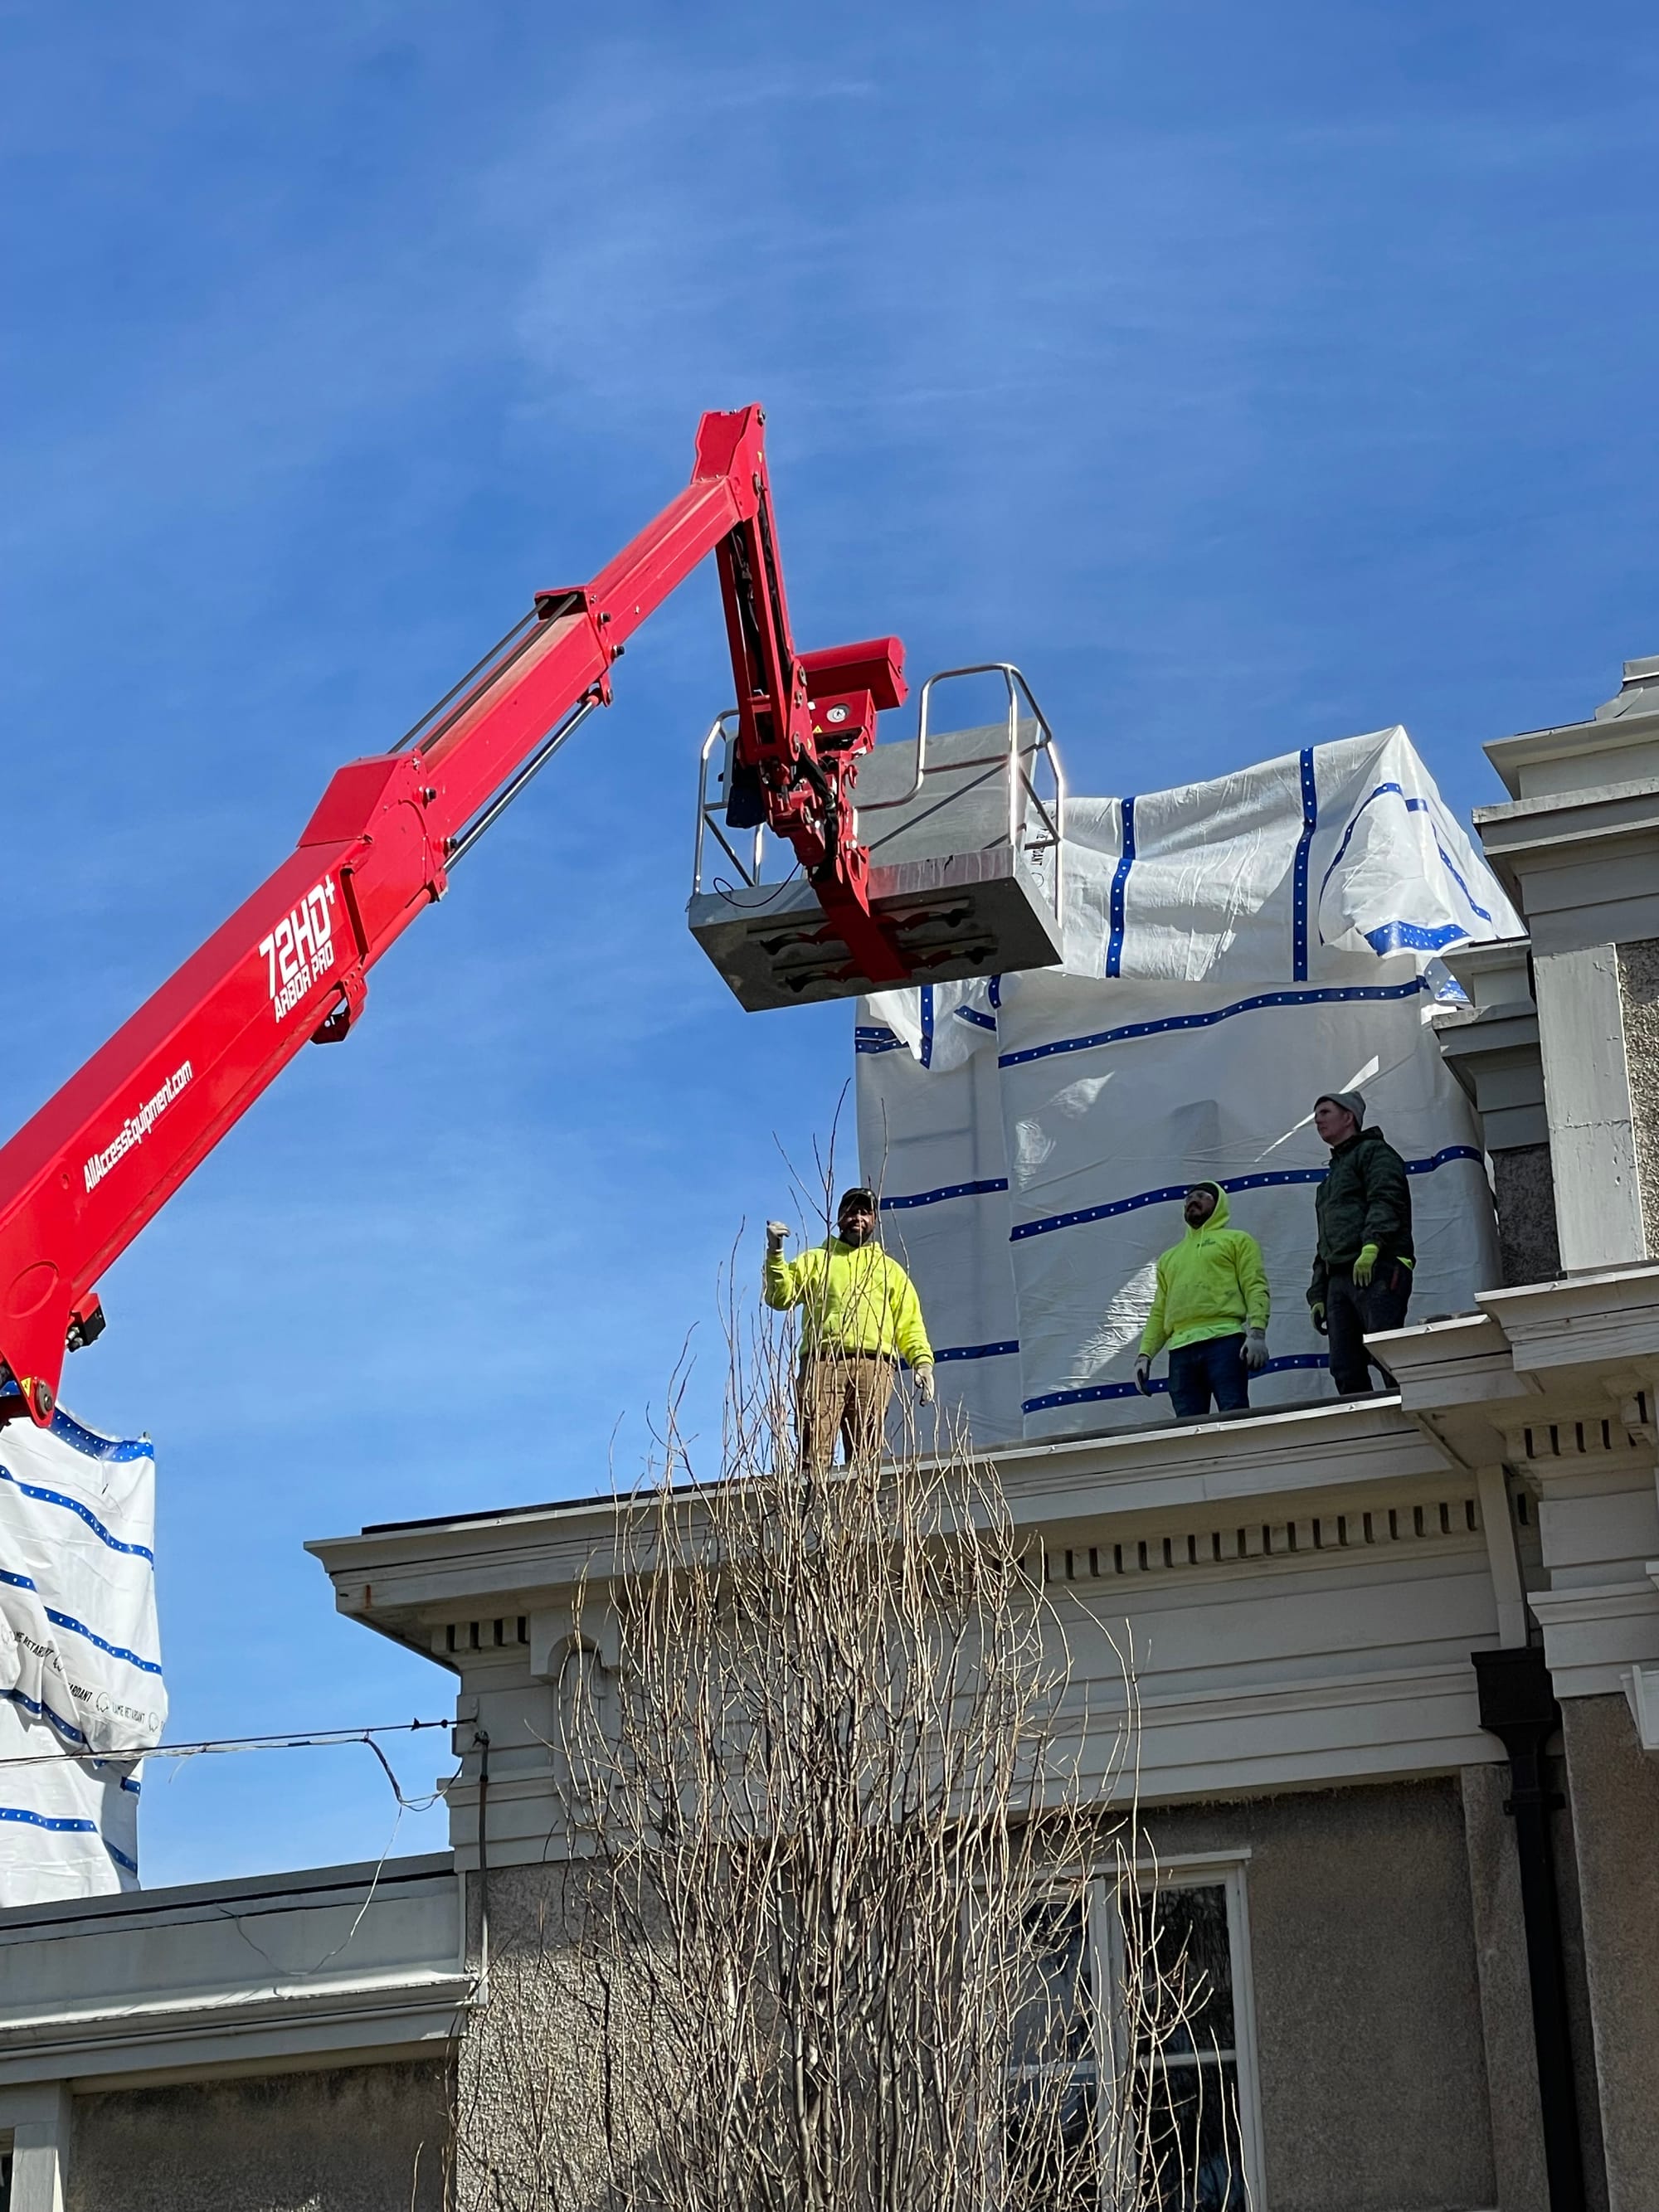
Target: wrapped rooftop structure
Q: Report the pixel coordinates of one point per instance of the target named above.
(81, 1687)
(1230, 950)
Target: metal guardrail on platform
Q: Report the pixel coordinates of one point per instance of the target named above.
(1036, 819)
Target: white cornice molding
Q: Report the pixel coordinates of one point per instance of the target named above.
(1604, 1320)
(1583, 1602)
(407, 1581)
(1460, 1360)
(1590, 746)
(1594, 1633)
(1519, 826)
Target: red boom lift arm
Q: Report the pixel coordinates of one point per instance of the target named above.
(79, 1180)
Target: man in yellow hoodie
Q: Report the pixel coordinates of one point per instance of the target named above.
(858, 1312)
(1211, 1308)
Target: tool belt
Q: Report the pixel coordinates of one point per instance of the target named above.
(842, 1352)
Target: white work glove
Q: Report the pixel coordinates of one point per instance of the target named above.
(924, 1381)
(1255, 1349)
(776, 1232)
(1144, 1374)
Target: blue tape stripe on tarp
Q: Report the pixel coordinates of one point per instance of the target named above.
(1099, 1391)
(1120, 889)
(119, 1855)
(82, 1512)
(926, 995)
(88, 1442)
(1299, 869)
(1412, 807)
(91, 1445)
(1328, 995)
(945, 1190)
(1382, 791)
(980, 1021)
(1413, 937)
(979, 1351)
(58, 1827)
(65, 1728)
(1453, 870)
(867, 1037)
(1273, 1179)
(115, 1650)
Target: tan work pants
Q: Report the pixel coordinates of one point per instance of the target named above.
(835, 1392)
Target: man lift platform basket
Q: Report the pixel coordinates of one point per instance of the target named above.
(963, 832)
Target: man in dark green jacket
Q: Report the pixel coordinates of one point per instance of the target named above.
(1362, 1269)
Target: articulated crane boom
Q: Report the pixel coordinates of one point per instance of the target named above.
(79, 1180)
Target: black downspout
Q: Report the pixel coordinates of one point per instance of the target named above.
(1517, 1705)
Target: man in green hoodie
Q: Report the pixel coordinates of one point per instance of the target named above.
(1362, 1269)
(1211, 1308)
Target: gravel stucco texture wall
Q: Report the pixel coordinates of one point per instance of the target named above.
(1374, 2091)
(1529, 1248)
(346, 2141)
(1615, 1796)
(1639, 992)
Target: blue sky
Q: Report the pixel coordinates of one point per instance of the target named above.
(1249, 376)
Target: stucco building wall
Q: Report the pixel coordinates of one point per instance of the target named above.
(1615, 1793)
(1638, 992)
(1374, 2090)
(529, 2093)
(1367, 2004)
(358, 2139)
(1529, 1244)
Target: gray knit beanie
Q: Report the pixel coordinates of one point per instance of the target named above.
(1352, 1102)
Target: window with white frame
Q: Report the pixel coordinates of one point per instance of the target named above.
(1134, 2075)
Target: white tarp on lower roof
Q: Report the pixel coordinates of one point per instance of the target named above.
(81, 1686)
(1232, 949)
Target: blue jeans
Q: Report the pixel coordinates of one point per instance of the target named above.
(1215, 1365)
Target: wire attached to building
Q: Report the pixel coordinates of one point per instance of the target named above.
(216, 1747)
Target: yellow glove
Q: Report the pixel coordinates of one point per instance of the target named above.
(1363, 1266)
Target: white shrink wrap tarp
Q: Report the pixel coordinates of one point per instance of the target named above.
(1232, 949)
(81, 1684)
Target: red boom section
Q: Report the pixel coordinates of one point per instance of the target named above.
(79, 1180)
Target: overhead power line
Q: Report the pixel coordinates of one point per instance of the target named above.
(218, 1746)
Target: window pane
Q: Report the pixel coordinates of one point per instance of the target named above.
(1052, 2165)
(1191, 2158)
(1166, 2136)
(1052, 2024)
(1186, 1969)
